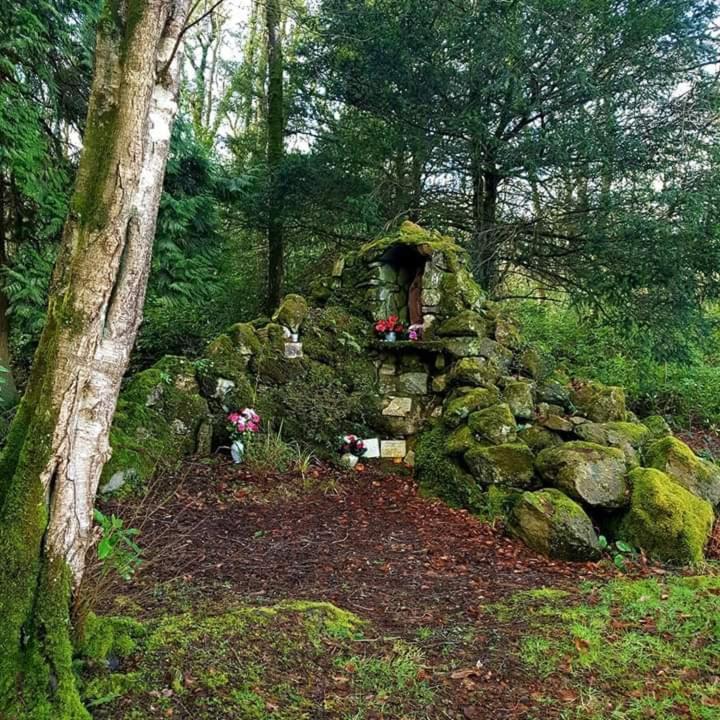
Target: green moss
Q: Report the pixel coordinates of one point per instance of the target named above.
(157, 421)
(598, 402)
(665, 520)
(633, 433)
(518, 394)
(427, 241)
(458, 409)
(674, 457)
(466, 324)
(495, 424)
(511, 464)
(260, 663)
(657, 427)
(458, 291)
(440, 476)
(551, 523)
(474, 371)
(106, 636)
(292, 312)
(459, 441)
(538, 438)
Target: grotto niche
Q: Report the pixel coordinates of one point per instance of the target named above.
(488, 422)
(401, 269)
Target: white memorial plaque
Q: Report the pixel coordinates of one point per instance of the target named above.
(372, 445)
(393, 449)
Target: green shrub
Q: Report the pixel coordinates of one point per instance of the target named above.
(686, 388)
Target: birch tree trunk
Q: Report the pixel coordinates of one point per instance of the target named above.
(58, 443)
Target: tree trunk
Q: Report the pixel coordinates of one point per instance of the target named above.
(486, 239)
(8, 391)
(275, 129)
(58, 442)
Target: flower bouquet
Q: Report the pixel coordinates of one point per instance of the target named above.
(415, 333)
(389, 328)
(352, 448)
(242, 426)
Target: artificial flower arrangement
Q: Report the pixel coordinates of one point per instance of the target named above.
(415, 333)
(389, 328)
(242, 425)
(352, 448)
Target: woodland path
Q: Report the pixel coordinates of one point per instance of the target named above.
(366, 542)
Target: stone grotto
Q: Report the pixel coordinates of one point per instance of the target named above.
(485, 420)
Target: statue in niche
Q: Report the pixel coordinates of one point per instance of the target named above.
(415, 312)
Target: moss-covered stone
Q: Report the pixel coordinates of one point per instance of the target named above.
(458, 409)
(466, 324)
(459, 291)
(657, 427)
(460, 440)
(551, 523)
(676, 459)
(511, 464)
(156, 422)
(536, 363)
(474, 371)
(554, 393)
(590, 473)
(598, 402)
(665, 520)
(507, 332)
(495, 424)
(538, 438)
(292, 312)
(439, 475)
(518, 394)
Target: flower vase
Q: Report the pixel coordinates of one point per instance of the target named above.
(237, 451)
(390, 337)
(349, 460)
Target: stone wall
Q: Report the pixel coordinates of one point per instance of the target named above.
(480, 414)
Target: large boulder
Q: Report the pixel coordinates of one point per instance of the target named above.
(511, 464)
(474, 371)
(657, 427)
(590, 473)
(495, 424)
(458, 409)
(161, 417)
(467, 324)
(292, 312)
(551, 523)
(665, 520)
(598, 402)
(518, 394)
(674, 457)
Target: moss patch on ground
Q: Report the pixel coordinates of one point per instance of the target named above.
(629, 649)
(288, 661)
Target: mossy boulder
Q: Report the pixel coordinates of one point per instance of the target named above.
(511, 464)
(518, 394)
(474, 371)
(676, 459)
(538, 438)
(460, 440)
(459, 409)
(590, 473)
(158, 421)
(292, 312)
(458, 292)
(551, 523)
(536, 363)
(495, 424)
(554, 392)
(440, 476)
(507, 332)
(598, 402)
(657, 427)
(466, 324)
(665, 520)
